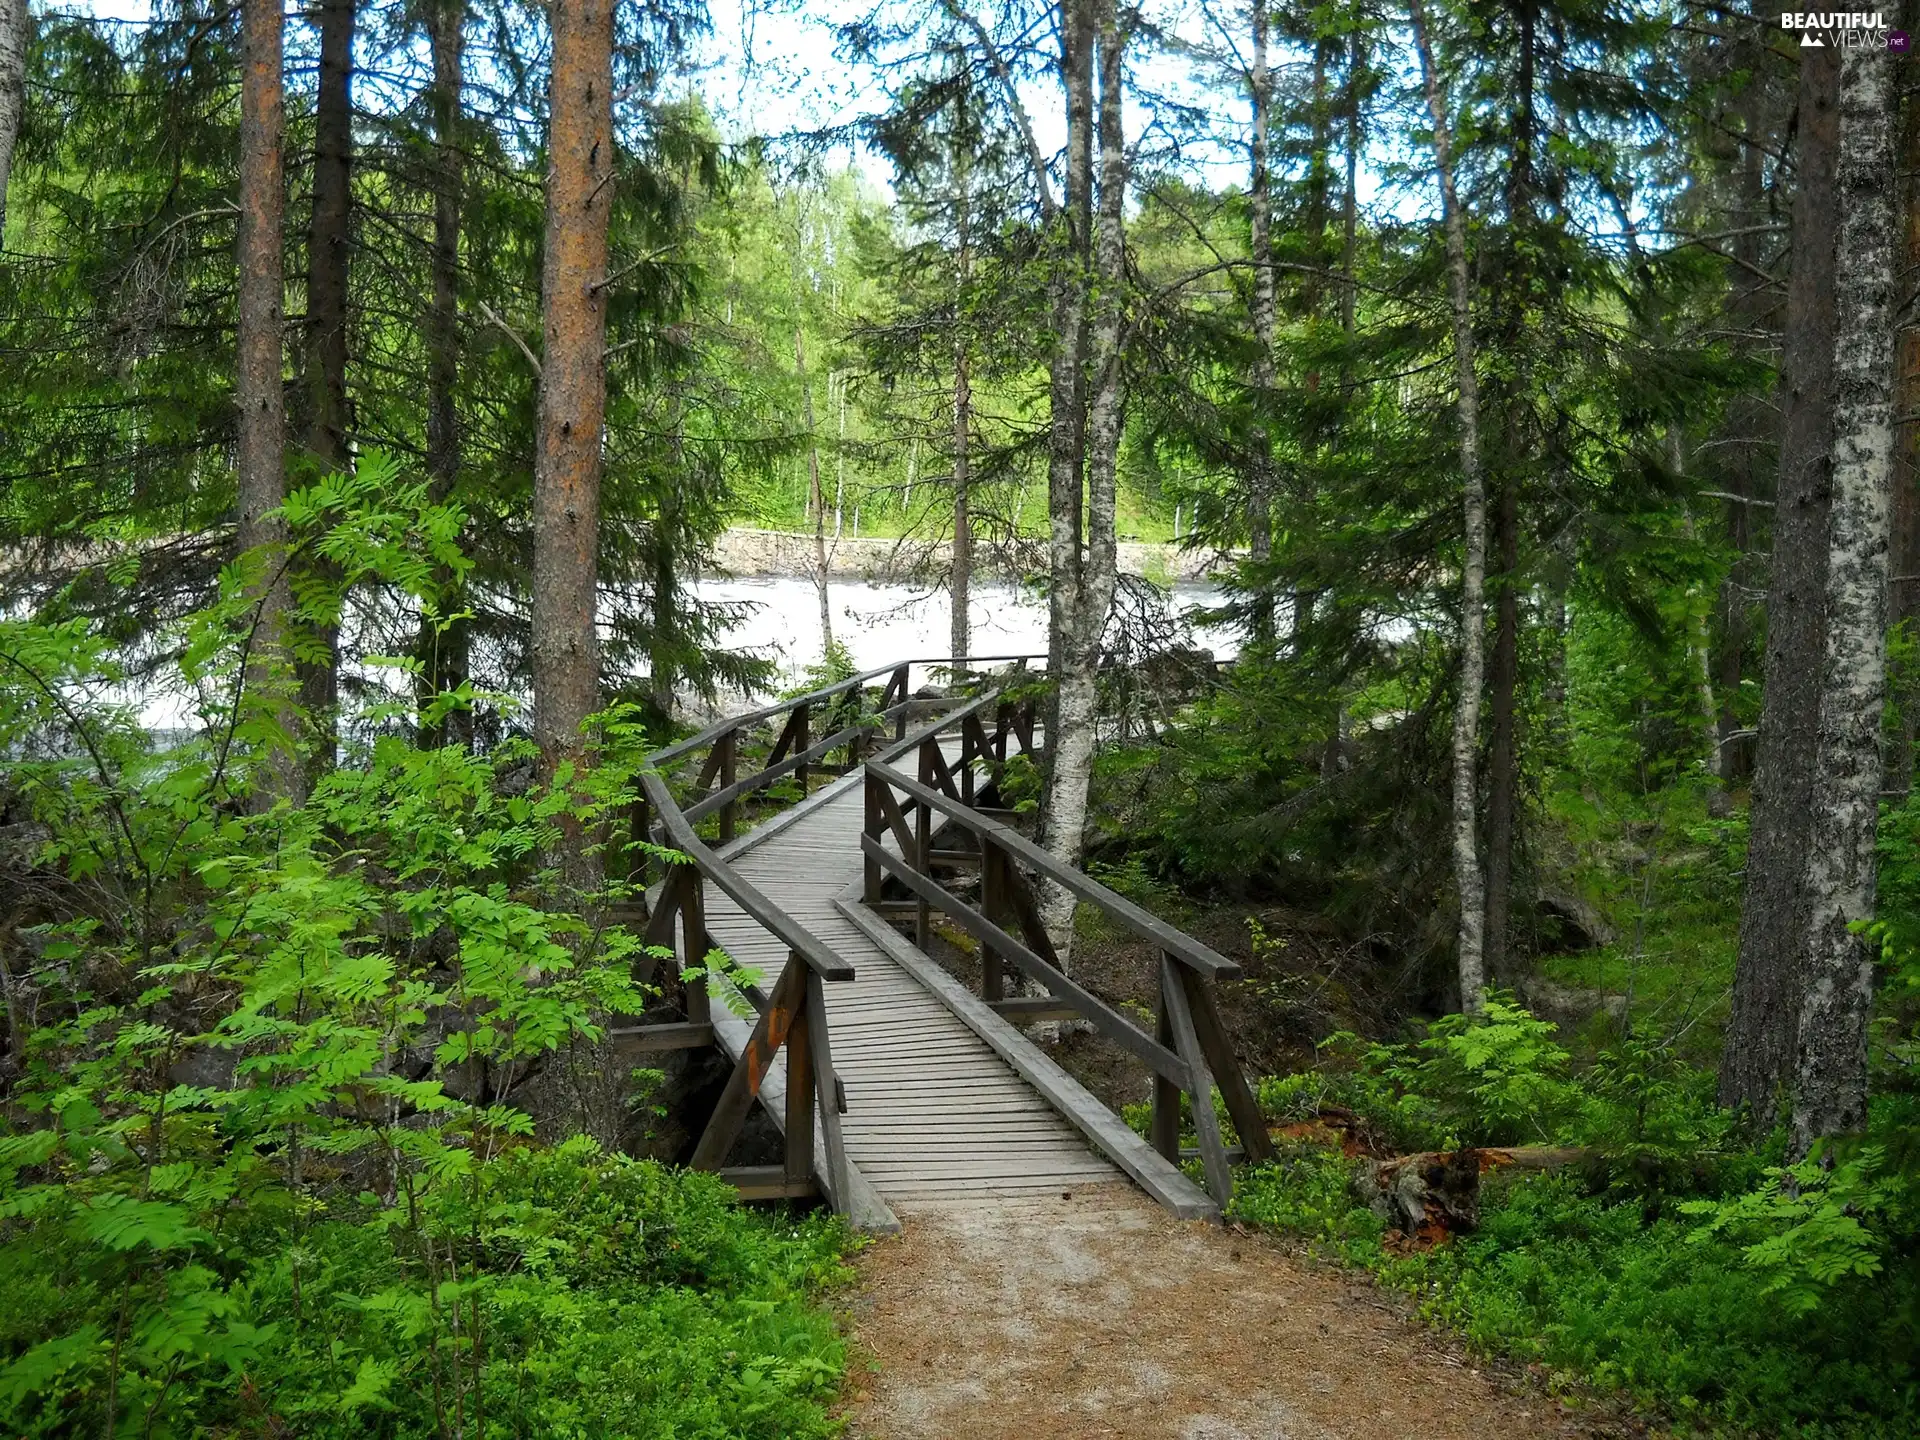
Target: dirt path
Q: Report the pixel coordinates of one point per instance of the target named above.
(1099, 1315)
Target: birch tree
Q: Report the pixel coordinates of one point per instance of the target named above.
(1473, 572)
(1088, 318)
(1830, 1073)
(573, 395)
(13, 89)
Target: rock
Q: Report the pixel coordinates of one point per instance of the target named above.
(1570, 922)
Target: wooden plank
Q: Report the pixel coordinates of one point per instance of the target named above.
(1156, 1175)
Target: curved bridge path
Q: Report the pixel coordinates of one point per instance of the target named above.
(1043, 1272)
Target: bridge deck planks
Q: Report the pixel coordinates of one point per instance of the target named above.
(932, 1111)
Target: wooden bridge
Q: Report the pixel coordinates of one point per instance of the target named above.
(889, 1081)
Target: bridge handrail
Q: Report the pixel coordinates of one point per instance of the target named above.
(1199, 957)
(770, 917)
(667, 754)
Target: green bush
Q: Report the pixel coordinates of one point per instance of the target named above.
(569, 1293)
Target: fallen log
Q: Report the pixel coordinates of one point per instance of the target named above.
(1433, 1195)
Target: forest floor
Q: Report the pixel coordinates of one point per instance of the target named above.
(1095, 1314)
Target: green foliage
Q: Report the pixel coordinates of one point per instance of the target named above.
(265, 1162)
(565, 1293)
(1811, 1225)
(1778, 1300)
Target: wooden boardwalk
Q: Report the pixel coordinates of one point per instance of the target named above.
(908, 1087)
(933, 1111)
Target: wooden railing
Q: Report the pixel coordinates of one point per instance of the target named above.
(717, 787)
(918, 826)
(791, 1014)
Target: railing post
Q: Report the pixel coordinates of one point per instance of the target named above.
(993, 905)
(801, 741)
(923, 847)
(695, 943)
(640, 820)
(1164, 1131)
(826, 1092)
(901, 679)
(728, 745)
(874, 825)
(800, 1084)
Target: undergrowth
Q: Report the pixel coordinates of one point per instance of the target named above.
(1719, 1289)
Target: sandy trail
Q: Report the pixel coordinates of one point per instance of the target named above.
(1099, 1315)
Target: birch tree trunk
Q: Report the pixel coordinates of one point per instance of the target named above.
(1830, 1072)
(445, 654)
(261, 431)
(1069, 263)
(1266, 326)
(573, 399)
(328, 251)
(1473, 574)
(1903, 585)
(1079, 639)
(1758, 1057)
(816, 498)
(14, 29)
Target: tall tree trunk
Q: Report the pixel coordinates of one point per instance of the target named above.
(816, 498)
(1068, 280)
(1758, 1055)
(1749, 425)
(1903, 590)
(666, 580)
(573, 399)
(1503, 741)
(1266, 329)
(444, 651)
(1830, 1071)
(14, 31)
(1473, 570)
(261, 435)
(1082, 627)
(960, 575)
(328, 249)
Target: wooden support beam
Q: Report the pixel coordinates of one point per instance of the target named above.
(1206, 1124)
(1237, 1095)
(743, 1085)
(768, 1182)
(667, 1036)
(1031, 1009)
(800, 1084)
